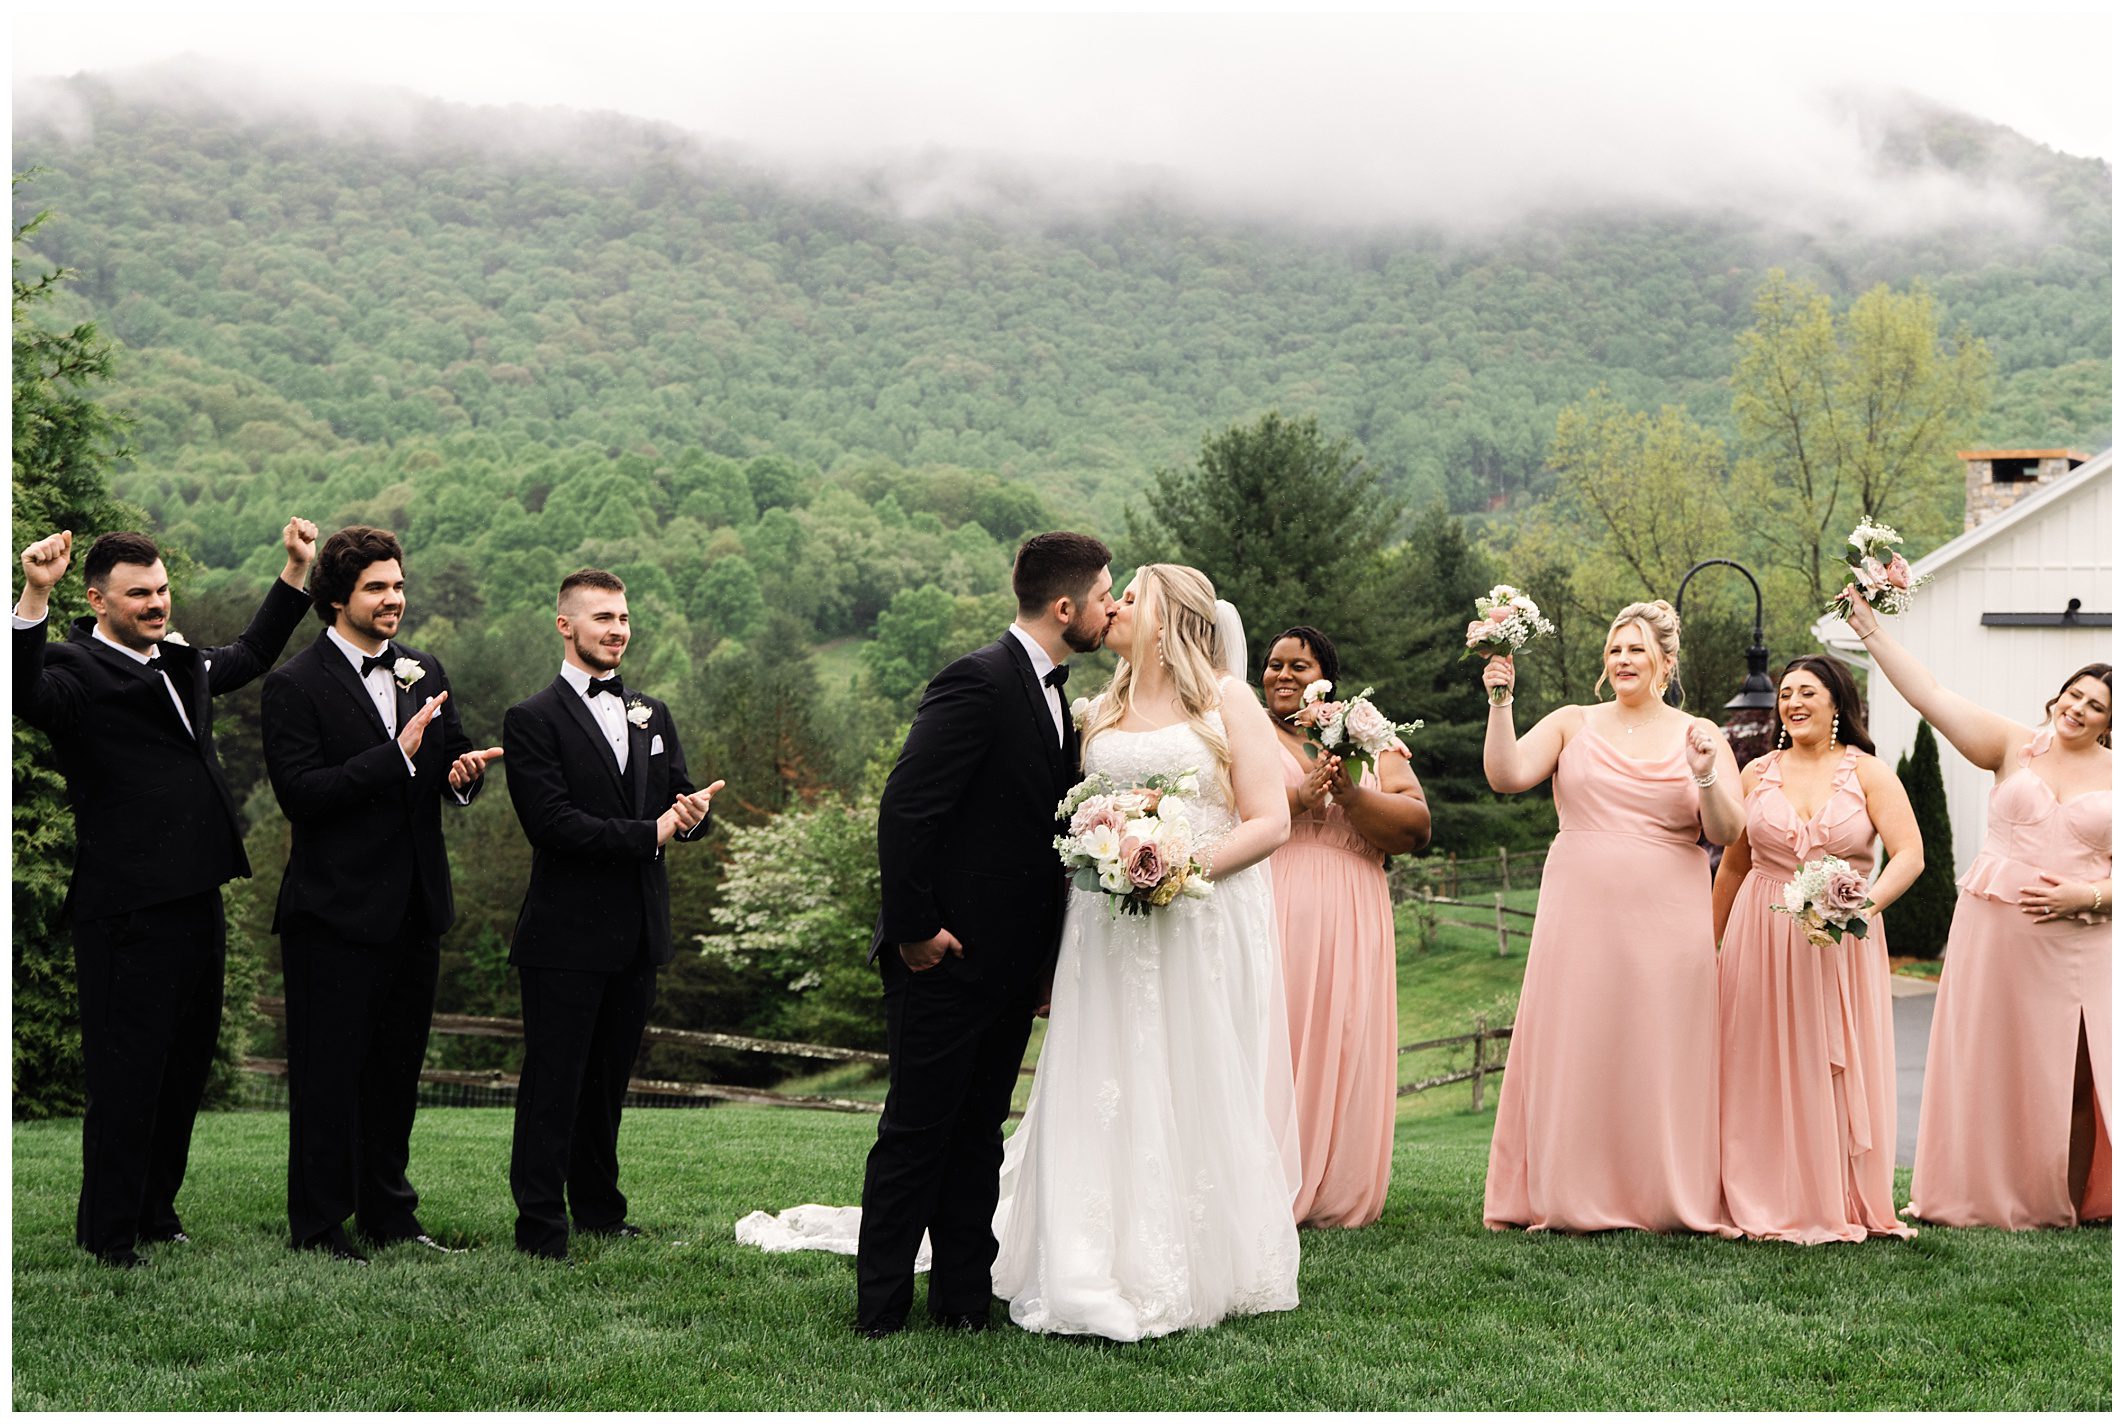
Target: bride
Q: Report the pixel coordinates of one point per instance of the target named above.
(1149, 1187)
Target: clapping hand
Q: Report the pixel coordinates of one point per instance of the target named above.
(417, 726)
(692, 808)
(471, 767)
(1319, 781)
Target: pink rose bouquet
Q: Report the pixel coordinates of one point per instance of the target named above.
(1133, 844)
(1829, 900)
(1507, 620)
(1353, 729)
(1879, 575)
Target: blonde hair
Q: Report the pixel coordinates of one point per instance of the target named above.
(1662, 629)
(1186, 641)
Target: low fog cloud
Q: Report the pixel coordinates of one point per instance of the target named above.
(1349, 121)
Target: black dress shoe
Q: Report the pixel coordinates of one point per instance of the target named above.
(126, 1260)
(969, 1322)
(334, 1243)
(878, 1332)
(626, 1230)
(170, 1238)
(558, 1256)
(421, 1239)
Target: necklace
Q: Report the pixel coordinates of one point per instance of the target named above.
(1630, 728)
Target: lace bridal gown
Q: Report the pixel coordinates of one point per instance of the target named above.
(1149, 1187)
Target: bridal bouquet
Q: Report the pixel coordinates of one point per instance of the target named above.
(1508, 621)
(1829, 900)
(1879, 574)
(1133, 843)
(1353, 729)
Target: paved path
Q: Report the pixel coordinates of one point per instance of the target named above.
(1912, 1005)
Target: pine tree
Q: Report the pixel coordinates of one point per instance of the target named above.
(1917, 924)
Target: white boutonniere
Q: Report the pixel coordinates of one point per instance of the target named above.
(408, 671)
(175, 639)
(1080, 712)
(638, 712)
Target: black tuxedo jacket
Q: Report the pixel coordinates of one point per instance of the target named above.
(598, 892)
(366, 838)
(967, 823)
(153, 817)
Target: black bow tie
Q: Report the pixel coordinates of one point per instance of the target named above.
(369, 665)
(1057, 675)
(604, 684)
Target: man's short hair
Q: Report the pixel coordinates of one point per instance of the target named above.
(116, 547)
(341, 561)
(1056, 565)
(588, 578)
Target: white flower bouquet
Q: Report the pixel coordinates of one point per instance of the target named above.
(1829, 900)
(1879, 574)
(1134, 844)
(1507, 621)
(1354, 728)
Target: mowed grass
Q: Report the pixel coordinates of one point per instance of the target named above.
(1424, 1310)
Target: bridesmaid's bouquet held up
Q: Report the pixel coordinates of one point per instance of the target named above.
(1879, 574)
(1134, 844)
(1506, 621)
(1354, 729)
(1829, 900)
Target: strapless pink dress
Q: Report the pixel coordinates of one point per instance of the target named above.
(1337, 927)
(1609, 1112)
(1995, 1123)
(1806, 1037)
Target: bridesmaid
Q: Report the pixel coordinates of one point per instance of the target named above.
(1609, 1112)
(1806, 1034)
(1337, 928)
(2013, 1128)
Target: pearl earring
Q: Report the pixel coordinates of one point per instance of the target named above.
(1784, 734)
(1836, 724)
(1159, 648)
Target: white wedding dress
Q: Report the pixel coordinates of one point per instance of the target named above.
(1149, 1187)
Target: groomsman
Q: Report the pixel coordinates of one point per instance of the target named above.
(361, 742)
(599, 782)
(128, 708)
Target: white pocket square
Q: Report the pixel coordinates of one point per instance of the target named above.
(656, 745)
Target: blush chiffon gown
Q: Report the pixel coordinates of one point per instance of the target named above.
(2016, 997)
(1608, 1117)
(1806, 1037)
(1336, 923)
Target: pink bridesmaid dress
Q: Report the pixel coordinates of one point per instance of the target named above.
(1995, 1122)
(1806, 1037)
(1608, 1117)
(1337, 927)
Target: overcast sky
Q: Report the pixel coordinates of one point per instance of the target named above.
(1354, 115)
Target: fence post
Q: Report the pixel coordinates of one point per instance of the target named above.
(1453, 871)
(1504, 868)
(1504, 942)
(1427, 919)
(1482, 1024)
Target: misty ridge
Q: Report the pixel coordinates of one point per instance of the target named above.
(1834, 164)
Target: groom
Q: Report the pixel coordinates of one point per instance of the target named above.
(967, 934)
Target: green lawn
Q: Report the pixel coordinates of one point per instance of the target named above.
(1425, 1310)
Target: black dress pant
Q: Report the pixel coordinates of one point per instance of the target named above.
(358, 1018)
(955, 1047)
(150, 984)
(582, 1030)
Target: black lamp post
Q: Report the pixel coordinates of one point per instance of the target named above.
(1751, 716)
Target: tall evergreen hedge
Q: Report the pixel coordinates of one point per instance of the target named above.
(1917, 924)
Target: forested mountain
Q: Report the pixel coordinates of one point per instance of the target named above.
(296, 291)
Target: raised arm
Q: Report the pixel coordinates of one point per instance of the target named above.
(1257, 785)
(259, 646)
(1513, 763)
(1983, 737)
(1888, 804)
(1718, 803)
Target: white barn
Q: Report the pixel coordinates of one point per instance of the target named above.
(2014, 605)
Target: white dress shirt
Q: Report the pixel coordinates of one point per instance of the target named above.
(383, 691)
(1042, 666)
(607, 711)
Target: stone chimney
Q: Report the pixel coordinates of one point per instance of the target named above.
(1997, 478)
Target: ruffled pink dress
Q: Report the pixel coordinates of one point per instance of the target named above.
(1609, 1112)
(1806, 1037)
(1337, 927)
(1995, 1123)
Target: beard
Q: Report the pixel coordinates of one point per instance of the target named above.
(1086, 635)
(593, 653)
(370, 627)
